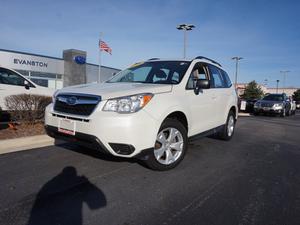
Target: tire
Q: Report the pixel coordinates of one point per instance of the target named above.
(227, 131)
(255, 114)
(164, 157)
(283, 114)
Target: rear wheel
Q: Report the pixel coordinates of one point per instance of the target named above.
(228, 130)
(170, 146)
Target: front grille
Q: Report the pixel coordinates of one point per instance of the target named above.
(76, 104)
(266, 104)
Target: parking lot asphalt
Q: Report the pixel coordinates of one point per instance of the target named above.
(253, 179)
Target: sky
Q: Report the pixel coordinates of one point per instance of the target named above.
(265, 33)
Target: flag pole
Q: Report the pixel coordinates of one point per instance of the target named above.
(99, 69)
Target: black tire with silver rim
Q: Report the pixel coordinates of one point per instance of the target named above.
(170, 146)
(228, 129)
(283, 114)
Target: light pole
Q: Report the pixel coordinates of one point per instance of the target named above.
(284, 77)
(185, 28)
(277, 81)
(237, 59)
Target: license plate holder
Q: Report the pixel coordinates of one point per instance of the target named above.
(67, 126)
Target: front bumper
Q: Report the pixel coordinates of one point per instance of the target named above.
(268, 110)
(87, 140)
(124, 135)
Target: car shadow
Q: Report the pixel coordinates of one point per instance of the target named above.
(94, 153)
(60, 200)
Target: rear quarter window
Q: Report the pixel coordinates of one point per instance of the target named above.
(226, 79)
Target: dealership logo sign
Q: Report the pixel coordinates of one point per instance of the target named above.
(30, 63)
(80, 59)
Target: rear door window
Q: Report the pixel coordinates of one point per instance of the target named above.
(217, 80)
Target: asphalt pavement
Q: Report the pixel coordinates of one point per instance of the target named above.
(253, 179)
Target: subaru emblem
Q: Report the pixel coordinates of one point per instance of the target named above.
(80, 59)
(71, 100)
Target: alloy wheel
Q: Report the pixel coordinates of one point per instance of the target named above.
(230, 126)
(168, 146)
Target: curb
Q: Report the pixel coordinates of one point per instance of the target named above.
(241, 114)
(26, 143)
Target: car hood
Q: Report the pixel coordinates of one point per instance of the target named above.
(114, 90)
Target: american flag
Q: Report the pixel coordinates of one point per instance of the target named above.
(104, 47)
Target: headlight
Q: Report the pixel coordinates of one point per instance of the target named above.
(256, 104)
(278, 105)
(54, 96)
(127, 104)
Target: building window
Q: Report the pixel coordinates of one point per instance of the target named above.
(50, 80)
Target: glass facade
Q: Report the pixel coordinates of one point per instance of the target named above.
(50, 80)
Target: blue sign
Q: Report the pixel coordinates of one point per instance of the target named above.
(80, 59)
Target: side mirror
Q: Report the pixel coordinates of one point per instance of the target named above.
(201, 84)
(26, 85)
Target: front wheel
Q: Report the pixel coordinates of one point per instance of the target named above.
(170, 146)
(283, 114)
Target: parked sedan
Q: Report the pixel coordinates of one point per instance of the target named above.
(246, 105)
(298, 104)
(277, 104)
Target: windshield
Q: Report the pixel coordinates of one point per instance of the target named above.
(156, 72)
(273, 98)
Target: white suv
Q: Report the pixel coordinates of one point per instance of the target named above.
(148, 110)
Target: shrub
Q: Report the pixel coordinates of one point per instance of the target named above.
(296, 95)
(252, 91)
(27, 108)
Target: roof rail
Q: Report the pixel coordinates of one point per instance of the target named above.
(213, 61)
(153, 59)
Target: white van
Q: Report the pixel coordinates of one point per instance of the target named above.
(13, 83)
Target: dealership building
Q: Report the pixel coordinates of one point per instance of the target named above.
(71, 69)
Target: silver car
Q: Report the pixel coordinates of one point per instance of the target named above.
(277, 104)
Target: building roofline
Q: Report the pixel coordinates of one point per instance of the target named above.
(28, 53)
(283, 88)
(92, 64)
(50, 57)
